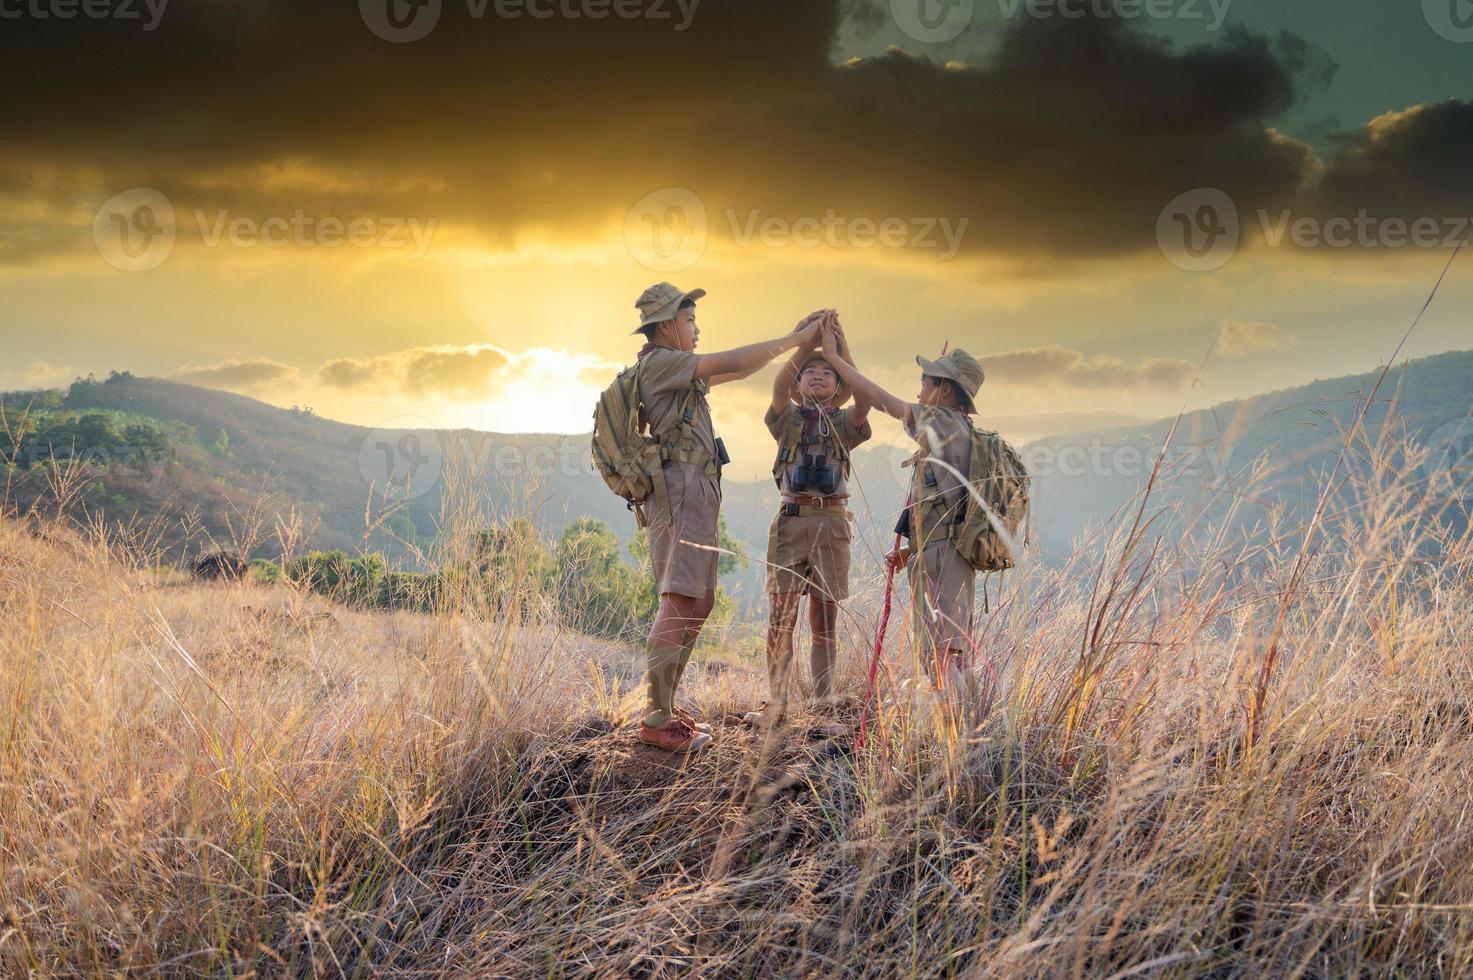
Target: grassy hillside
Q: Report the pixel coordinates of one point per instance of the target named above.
(244, 470)
(1169, 769)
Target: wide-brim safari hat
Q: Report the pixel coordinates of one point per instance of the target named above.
(661, 302)
(842, 397)
(961, 367)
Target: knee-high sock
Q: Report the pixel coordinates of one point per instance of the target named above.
(685, 651)
(780, 675)
(821, 662)
(661, 676)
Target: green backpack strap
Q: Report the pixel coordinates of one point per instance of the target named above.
(787, 449)
(684, 448)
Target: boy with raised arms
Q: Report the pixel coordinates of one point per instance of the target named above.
(673, 384)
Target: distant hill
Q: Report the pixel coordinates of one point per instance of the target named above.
(236, 460)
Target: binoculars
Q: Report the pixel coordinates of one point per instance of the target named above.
(814, 475)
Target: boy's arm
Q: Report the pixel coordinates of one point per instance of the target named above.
(859, 411)
(787, 376)
(863, 387)
(722, 379)
(731, 365)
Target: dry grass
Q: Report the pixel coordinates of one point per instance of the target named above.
(236, 779)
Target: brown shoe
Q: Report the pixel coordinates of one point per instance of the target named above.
(690, 720)
(673, 736)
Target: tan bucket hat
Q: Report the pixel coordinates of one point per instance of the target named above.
(961, 367)
(661, 302)
(841, 397)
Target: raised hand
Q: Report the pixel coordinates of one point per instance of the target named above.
(898, 559)
(815, 316)
(827, 336)
(808, 330)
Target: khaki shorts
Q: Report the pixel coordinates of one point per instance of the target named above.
(680, 566)
(943, 590)
(810, 554)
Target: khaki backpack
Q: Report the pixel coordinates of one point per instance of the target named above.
(631, 459)
(997, 473)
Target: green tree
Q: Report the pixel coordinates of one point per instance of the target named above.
(339, 576)
(596, 591)
(511, 567)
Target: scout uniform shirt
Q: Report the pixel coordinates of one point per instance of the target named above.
(943, 585)
(689, 517)
(809, 552)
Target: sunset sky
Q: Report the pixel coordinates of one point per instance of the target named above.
(456, 226)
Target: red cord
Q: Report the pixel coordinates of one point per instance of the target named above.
(874, 664)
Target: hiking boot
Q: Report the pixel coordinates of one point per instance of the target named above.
(673, 736)
(690, 720)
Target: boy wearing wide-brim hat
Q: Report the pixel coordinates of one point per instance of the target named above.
(673, 384)
(810, 540)
(943, 584)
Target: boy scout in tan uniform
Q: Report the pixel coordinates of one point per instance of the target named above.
(943, 584)
(809, 543)
(674, 382)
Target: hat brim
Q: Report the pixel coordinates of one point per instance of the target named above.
(935, 369)
(668, 311)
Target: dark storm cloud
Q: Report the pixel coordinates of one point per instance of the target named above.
(1070, 140)
(1410, 164)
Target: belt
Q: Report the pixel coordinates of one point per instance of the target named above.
(816, 502)
(800, 510)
